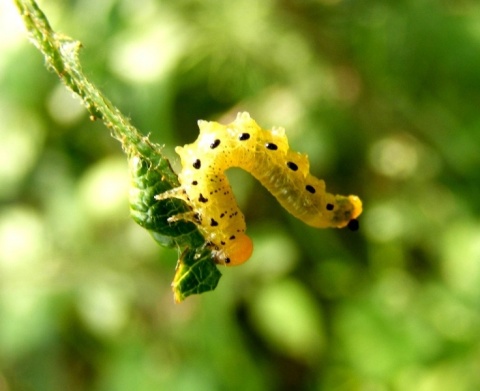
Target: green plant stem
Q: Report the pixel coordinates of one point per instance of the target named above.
(151, 171)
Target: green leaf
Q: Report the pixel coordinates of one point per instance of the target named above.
(147, 181)
(151, 171)
(196, 273)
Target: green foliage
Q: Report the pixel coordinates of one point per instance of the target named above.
(196, 273)
(383, 96)
(151, 172)
(147, 182)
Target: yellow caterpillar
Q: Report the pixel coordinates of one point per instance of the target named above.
(267, 156)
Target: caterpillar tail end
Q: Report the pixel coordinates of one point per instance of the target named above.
(357, 208)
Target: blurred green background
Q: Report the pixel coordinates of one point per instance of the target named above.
(384, 96)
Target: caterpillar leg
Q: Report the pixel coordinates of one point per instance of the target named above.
(187, 216)
(180, 194)
(177, 192)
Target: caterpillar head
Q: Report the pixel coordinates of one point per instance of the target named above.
(236, 251)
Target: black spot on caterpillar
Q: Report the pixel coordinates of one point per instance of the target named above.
(267, 156)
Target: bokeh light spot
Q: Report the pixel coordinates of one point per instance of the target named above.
(394, 157)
